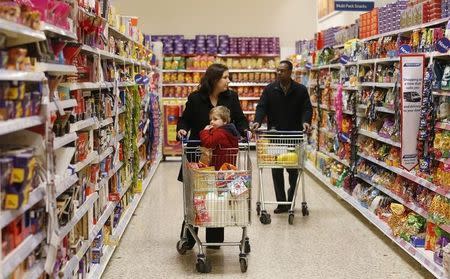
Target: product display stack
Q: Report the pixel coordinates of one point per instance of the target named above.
(251, 61)
(382, 123)
(80, 124)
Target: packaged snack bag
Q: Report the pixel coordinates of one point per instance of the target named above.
(201, 211)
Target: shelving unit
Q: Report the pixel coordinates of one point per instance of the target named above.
(425, 258)
(56, 188)
(384, 109)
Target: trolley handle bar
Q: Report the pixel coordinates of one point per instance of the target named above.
(280, 132)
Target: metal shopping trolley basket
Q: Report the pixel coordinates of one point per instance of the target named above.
(280, 149)
(216, 198)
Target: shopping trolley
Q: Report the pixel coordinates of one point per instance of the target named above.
(280, 149)
(216, 198)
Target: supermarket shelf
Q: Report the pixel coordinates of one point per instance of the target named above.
(13, 125)
(87, 85)
(18, 34)
(425, 258)
(379, 60)
(9, 75)
(388, 192)
(127, 83)
(48, 27)
(64, 140)
(441, 93)
(105, 154)
(79, 213)
(249, 83)
(249, 98)
(62, 104)
(442, 125)
(90, 158)
(231, 71)
(269, 55)
(64, 183)
(142, 164)
(122, 110)
(408, 29)
(36, 196)
(105, 122)
(349, 112)
(74, 261)
(119, 137)
(249, 112)
(35, 271)
(120, 229)
(174, 98)
(325, 107)
(18, 255)
(125, 186)
(356, 88)
(179, 84)
(141, 142)
(385, 110)
(56, 69)
(83, 124)
(408, 175)
(335, 157)
(378, 138)
(378, 84)
(378, 109)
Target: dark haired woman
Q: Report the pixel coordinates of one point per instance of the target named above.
(213, 91)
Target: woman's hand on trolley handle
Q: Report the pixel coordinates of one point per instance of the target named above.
(306, 128)
(254, 126)
(182, 134)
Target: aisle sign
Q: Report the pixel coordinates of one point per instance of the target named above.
(355, 5)
(412, 73)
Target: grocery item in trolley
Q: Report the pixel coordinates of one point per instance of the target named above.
(220, 197)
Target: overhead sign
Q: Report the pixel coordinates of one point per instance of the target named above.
(355, 5)
(412, 71)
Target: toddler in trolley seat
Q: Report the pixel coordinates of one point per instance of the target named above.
(221, 136)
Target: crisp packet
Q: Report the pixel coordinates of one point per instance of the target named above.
(201, 211)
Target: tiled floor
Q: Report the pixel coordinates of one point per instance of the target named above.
(333, 242)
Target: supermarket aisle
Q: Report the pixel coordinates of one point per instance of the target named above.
(333, 242)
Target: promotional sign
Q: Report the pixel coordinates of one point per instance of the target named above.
(404, 49)
(412, 71)
(443, 45)
(344, 59)
(355, 5)
(171, 145)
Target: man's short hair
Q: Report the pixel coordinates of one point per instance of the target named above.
(288, 63)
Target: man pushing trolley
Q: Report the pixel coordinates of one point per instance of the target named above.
(288, 109)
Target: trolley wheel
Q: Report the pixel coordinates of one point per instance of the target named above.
(244, 264)
(291, 219)
(247, 248)
(258, 208)
(265, 218)
(182, 247)
(203, 264)
(305, 210)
